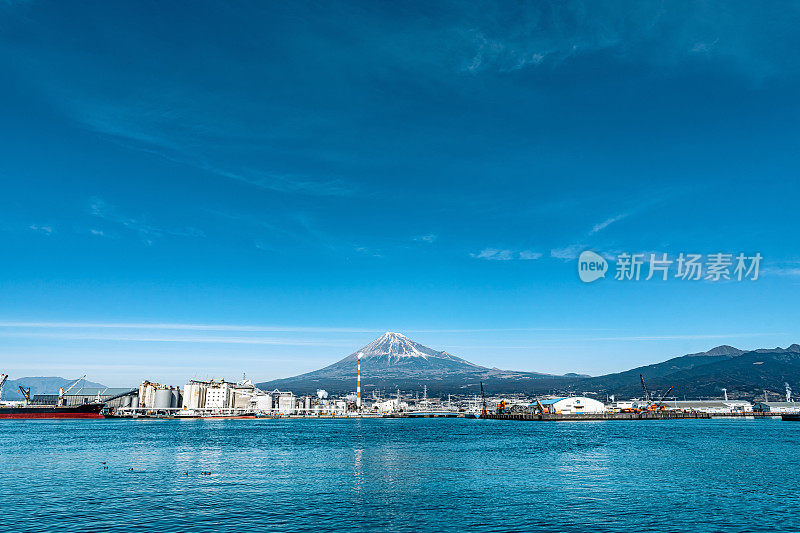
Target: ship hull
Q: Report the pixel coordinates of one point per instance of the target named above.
(51, 412)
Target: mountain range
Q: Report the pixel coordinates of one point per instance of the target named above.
(393, 361)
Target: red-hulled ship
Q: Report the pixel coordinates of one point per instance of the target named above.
(43, 412)
(48, 412)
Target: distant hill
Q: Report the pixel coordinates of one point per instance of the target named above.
(744, 376)
(628, 382)
(393, 361)
(42, 385)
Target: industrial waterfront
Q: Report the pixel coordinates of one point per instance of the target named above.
(242, 399)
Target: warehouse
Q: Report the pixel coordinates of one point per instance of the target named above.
(573, 405)
(709, 406)
(777, 407)
(83, 396)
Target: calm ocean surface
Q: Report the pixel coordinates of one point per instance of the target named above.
(400, 475)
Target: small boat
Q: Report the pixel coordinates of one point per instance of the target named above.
(791, 417)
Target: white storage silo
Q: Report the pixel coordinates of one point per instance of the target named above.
(162, 399)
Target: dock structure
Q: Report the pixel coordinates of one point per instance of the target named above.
(555, 417)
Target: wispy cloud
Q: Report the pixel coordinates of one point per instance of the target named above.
(179, 326)
(665, 36)
(47, 230)
(430, 238)
(785, 271)
(567, 253)
(245, 328)
(101, 209)
(178, 134)
(721, 336)
(495, 254)
(172, 338)
(606, 223)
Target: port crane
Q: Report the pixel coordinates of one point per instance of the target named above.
(61, 392)
(646, 394)
(3, 378)
(501, 408)
(26, 393)
(648, 398)
(660, 403)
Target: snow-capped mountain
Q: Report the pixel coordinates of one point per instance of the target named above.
(392, 349)
(395, 361)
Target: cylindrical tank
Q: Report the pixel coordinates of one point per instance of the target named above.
(163, 399)
(135, 402)
(176, 398)
(126, 401)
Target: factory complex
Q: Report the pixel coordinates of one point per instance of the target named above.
(214, 398)
(242, 399)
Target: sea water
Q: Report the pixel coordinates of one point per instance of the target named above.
(399, 475)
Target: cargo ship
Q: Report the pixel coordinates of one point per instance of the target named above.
(24, 410)
(44, 412)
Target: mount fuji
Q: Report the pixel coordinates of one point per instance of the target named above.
(393, 361)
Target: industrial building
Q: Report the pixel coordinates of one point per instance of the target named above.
(84, 396)
(709, 406)
(573, 405)
(392, 405)
(158, 397)
(218, 395)
(777, 407)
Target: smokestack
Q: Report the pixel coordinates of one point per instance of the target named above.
(358, 384)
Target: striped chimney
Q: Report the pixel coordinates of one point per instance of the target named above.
(358, 383)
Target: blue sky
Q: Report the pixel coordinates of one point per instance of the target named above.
(206, 189)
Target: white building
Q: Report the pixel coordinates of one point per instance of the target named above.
(628, 405)
(286, 403)
(573, 405)
(218, 395)
(393, 405)
(709, 406)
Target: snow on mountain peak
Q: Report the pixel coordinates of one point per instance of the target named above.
(395, 344)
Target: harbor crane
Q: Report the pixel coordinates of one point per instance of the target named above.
(26, 393)
(61, 392)
(3, 378)
(649, 398)
(501, 408)
(646, 394)
(660, 403)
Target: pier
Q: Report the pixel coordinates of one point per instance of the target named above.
(552, 417)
